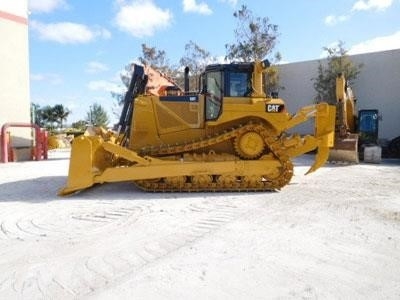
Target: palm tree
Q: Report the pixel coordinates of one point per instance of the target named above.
(47, 116)
(60, 113)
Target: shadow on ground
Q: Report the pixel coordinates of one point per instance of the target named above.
(46, 188)
(32, 190)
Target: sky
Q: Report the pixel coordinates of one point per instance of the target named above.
(78, 49)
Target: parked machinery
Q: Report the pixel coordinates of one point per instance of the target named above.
(228, 136)
(352, 131)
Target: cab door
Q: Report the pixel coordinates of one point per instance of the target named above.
(214, 95)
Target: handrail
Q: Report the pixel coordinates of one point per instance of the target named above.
(38, 146)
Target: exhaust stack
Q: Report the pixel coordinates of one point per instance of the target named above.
(186, 79)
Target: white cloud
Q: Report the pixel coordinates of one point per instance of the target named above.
(67, 32)
(193, 6)
(104, 85)
(53, 79)
(230, 2)
(360, 5)
(382, 43)
(94, 67)
(333, 20)
(37, 77)
(102, 32)
(45, 6)
(372, 5)
(141, 17)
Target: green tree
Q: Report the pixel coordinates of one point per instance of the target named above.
(158, 60)
(338, 62)
(60, 113)
(155, 58)
(48, 117)
(97, 116)
(151, 56)
(256, 38)
(196, 58)
(80, 125)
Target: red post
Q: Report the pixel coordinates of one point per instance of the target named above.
(43, 143)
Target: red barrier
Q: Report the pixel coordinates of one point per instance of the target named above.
(40, 148)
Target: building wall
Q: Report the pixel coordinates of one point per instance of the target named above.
(14, 62)
(377, 87)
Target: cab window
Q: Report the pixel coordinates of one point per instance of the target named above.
(213, 95)
(238, 84)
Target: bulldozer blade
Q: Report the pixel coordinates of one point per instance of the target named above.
(80, 174)
(345, 150)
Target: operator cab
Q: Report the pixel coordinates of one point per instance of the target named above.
(224, 80)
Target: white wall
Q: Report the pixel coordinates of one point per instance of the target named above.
(15, 7)
(377, 87)
(14, 62)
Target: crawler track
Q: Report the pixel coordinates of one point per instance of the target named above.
(225, 182)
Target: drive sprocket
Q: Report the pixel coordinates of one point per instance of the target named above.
(249, 145)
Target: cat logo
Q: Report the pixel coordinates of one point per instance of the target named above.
(274, 108)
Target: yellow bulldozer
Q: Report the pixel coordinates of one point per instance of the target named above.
(227, 136)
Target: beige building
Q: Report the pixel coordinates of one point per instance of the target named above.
(377, 87)
(14, 71)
